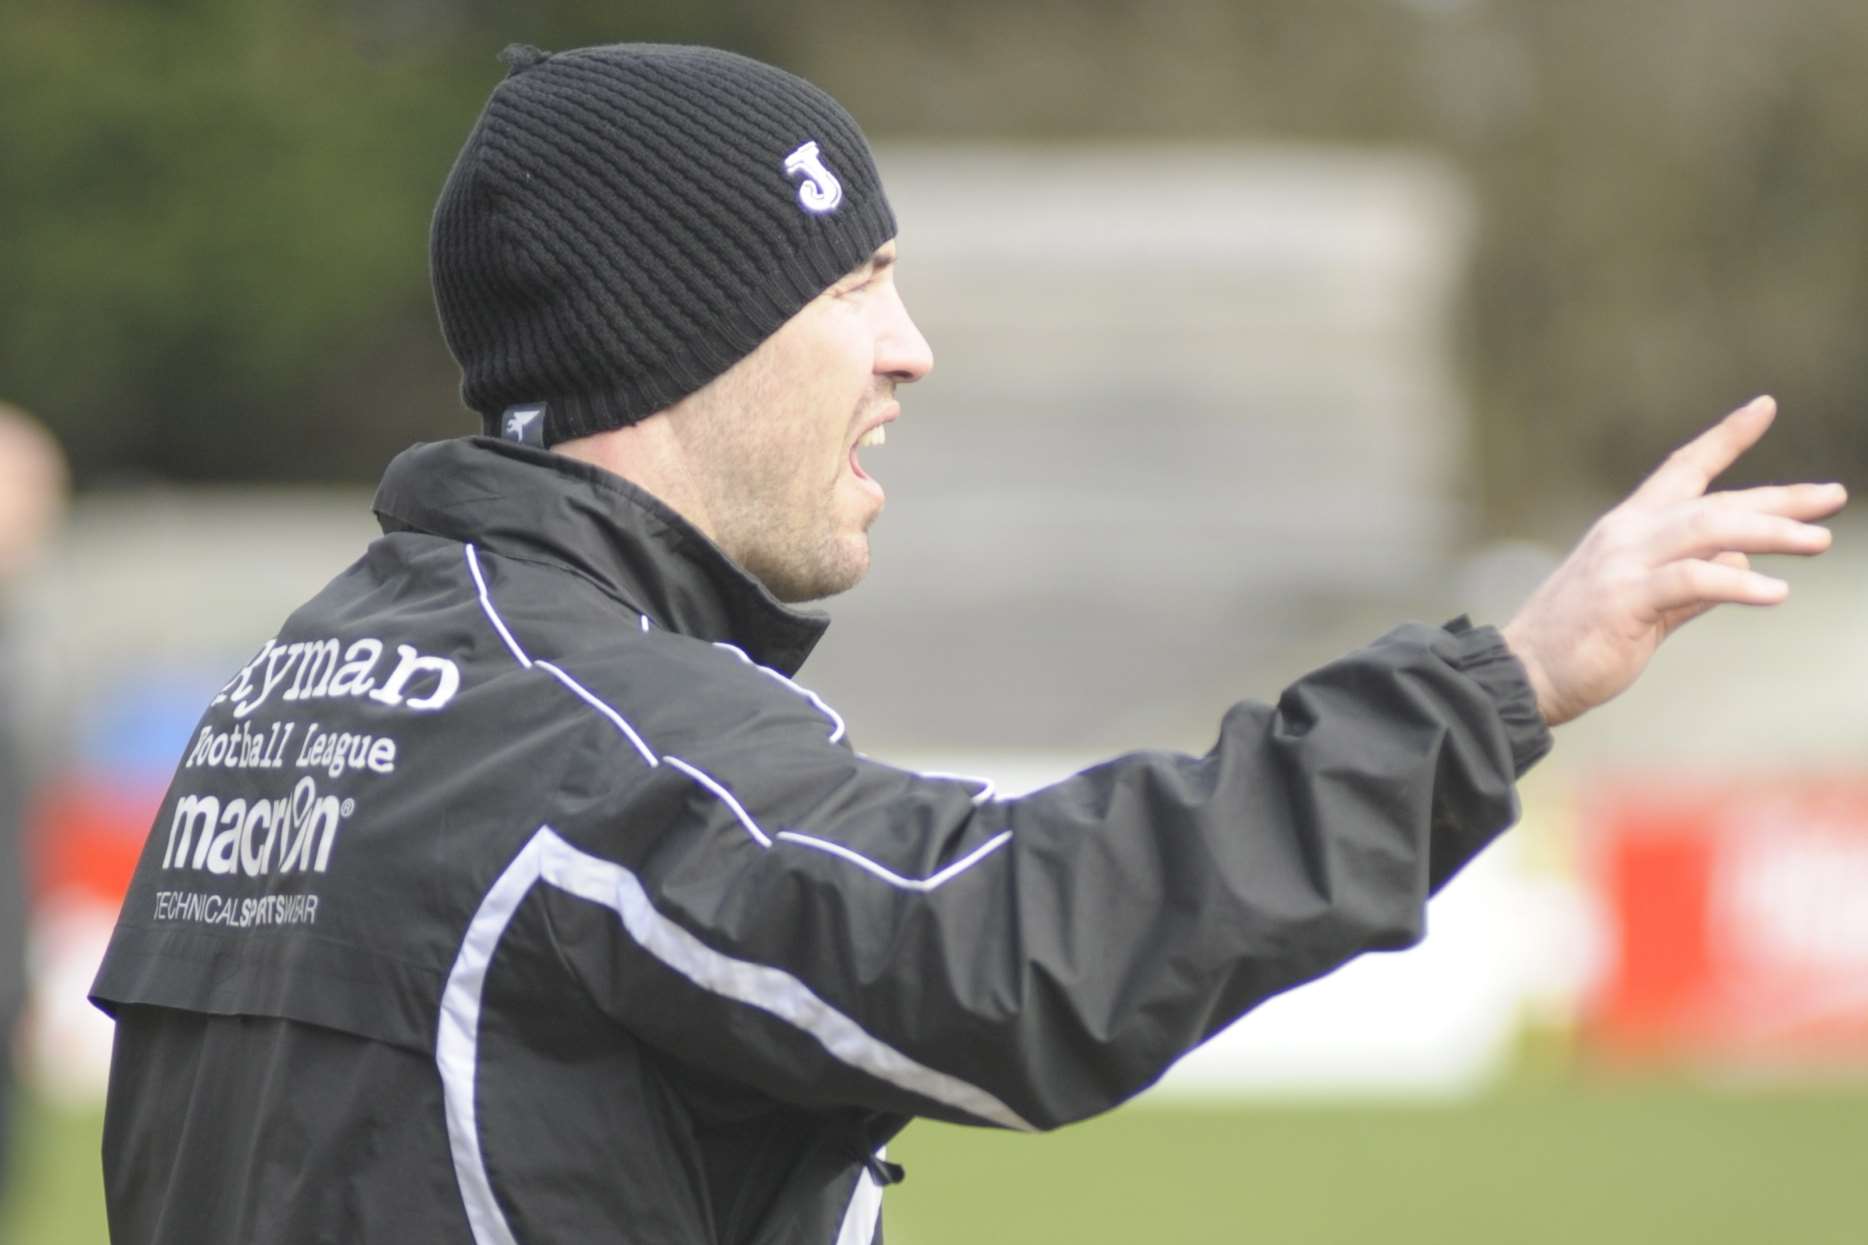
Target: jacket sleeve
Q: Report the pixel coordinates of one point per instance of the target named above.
(838, 932)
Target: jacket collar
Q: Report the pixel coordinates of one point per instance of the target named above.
(544, 507)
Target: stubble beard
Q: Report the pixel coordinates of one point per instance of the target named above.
(798, 542)
(802, 565)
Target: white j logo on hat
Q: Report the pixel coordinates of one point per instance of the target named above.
(820, 191)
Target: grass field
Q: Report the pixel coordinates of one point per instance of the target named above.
(1564, 1166)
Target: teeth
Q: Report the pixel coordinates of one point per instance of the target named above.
(875, 436)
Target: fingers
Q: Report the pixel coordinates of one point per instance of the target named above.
(1692, 583)
(1690, 469)
(1673, 620)
(1702, 530)
(1793, 501)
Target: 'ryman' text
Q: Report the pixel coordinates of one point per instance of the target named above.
(317, 669)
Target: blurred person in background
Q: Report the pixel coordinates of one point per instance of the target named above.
(514, 891)
(32, 495)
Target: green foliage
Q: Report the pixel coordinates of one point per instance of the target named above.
(215, 201)
(216, 220)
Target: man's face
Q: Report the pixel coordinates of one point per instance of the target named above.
(787, 495)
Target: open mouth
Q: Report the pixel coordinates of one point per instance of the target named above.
(876, 436)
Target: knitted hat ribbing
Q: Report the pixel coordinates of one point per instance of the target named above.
(626, 222)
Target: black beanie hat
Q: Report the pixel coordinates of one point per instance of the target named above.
(627, 222)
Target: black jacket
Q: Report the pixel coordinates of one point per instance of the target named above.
(515, 893)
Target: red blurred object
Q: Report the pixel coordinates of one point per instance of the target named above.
(1740, 922)
(86, 839)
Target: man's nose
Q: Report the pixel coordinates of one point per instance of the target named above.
(902, 353)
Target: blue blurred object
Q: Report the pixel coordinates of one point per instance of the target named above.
(133, 734)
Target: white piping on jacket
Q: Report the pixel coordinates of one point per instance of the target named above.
(591, 699)
(746, 820)
(726, 797)
(864, 1210)
(547, 858)
(987, 788)
(486, 603)
(929, 883)
(836, 719)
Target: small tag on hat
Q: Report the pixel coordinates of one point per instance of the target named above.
(519, 57)
(524, 425)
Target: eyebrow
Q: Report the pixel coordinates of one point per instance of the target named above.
(877, 264)
(871, 268)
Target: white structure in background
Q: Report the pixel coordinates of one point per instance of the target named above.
(1187, 402)
(1505, 945)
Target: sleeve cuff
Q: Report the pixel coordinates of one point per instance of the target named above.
(1481, 654)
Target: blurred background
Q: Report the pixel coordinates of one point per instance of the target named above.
(1261, 325)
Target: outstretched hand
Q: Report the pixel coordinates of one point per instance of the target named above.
(1666, 555)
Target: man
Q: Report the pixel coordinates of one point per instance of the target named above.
(514, 892)
(32, 496)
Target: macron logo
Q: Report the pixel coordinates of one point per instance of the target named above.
(523, 424)
(820, 191)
